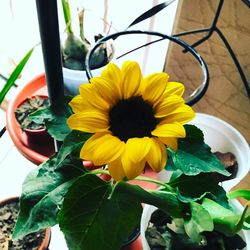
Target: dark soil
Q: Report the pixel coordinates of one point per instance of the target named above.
(29, 106)
(8, 216)
(230, 163)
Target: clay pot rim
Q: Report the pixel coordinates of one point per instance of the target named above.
(46, 240)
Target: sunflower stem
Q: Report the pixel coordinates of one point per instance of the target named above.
(100, 171)
(165, 185)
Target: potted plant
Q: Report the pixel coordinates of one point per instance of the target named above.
(36, 132)
(75, 48)
(8, 215)
(124, 122)
(157, 232)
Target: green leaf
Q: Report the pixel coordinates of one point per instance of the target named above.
(14, 75)
(72, 145)
(160, 198)
(194, 133)
(151, 12)
(55, 118)
(187, 188)
(199, 222)
(225, 220)
(194, 157)
(239, 194)
(67, 15)
(42, 194)
(90, 219)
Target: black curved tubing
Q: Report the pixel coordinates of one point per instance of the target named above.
(195, 96)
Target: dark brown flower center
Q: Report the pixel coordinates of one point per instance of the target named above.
(132, 117)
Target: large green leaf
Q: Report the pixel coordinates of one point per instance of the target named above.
(55, 118)
(72, 145)
(187, 188)
(194, 157)
(43, 192)
(194, 133)
(91, 219)
(14, 75)
(225, 220)
(200, 221)
(160, 198)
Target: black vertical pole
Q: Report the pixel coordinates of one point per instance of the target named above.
(50, 39)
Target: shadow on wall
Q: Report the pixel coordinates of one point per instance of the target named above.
(226, 96)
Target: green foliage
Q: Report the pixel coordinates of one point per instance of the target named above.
(67, 15)
(14, 75)
(161, 198)
(194, 156)
(199, 221)
(192, 132)
(42, 194)
(226, 221)
(239, 193)
(187, 190)
(55, 118)
(72, 145)
(82, 218)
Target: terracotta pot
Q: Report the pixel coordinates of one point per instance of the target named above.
(46, 240)
(36, 153)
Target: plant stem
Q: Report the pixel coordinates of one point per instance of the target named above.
(99, 171)
(144, 178)
(138, 178)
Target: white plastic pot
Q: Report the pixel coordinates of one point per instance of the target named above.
(148, 210)
(223, 137)
(74, 78)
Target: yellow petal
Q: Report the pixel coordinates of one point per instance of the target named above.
(92, 98)
(102, 148)
(113, 73)
(168, 105)
(153, 87)
(133, 158)
(170, 142)
(131, 79)
(157, 155)
(174, 88)
(106, 89)
(116, 170)
(89, 121)
(132, 169)
(169, 130)
(77, 104)
(182, 115)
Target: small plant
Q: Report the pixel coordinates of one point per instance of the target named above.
(76, 47)
(29, 106)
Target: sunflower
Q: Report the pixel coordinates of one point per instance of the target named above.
(132, 119)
